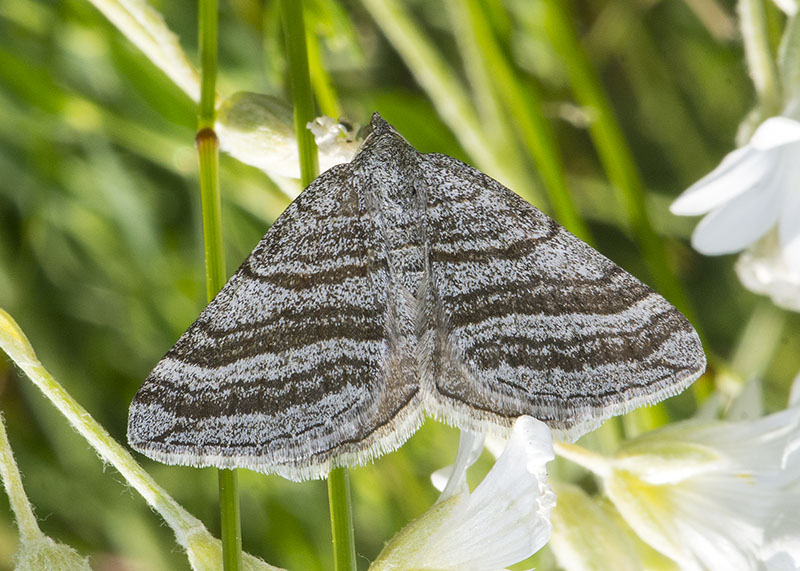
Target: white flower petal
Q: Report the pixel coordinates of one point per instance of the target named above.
(774, 132)
(749, 403)
(441, 476)
(738, 223)
(505, 520)
(789, 224)
(781, 549)
(790, 252)
(258, 130)
(336, 141)
(451, 480)
(794, 393)
(779, 561)
(589, 535)
(740, 171)
(692, 522)
(789, 7)
(530, 446)
(715, 517)
(495, 444)
(768, 269)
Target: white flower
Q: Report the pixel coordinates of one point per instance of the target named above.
(753, 189)
(769, 269)
(589, 535)
(709, 496)
(789, 7)
(258, 130)
(781, 550)
(752, 200)
(503, 521)
(337, 140)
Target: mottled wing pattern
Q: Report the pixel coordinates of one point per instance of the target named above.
(300, 362)
(397, 285)
(527, 319)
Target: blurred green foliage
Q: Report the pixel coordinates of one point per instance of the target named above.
(101, 258)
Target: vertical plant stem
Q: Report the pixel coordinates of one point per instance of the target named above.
(208, 152)
(613, 150)
(26, 521)
(230, 519)
(294, 30)
(208, 63)
(302, 96)
(321, 79)
(344, 549)
(14, 342)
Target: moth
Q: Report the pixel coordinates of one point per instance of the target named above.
(399, 286)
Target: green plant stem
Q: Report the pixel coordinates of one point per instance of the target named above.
(302, 96)
(208, 62)
(344, 550)
(208, 152)
(613, 150)
(321, 79)
(14, 342)
(230, 520)
(338, 481)
(17, 499)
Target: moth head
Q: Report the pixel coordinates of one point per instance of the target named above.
(380, 137)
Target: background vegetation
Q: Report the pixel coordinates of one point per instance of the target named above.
(101, 257)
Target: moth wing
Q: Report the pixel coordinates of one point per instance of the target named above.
(525, 318)
(300, 362)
